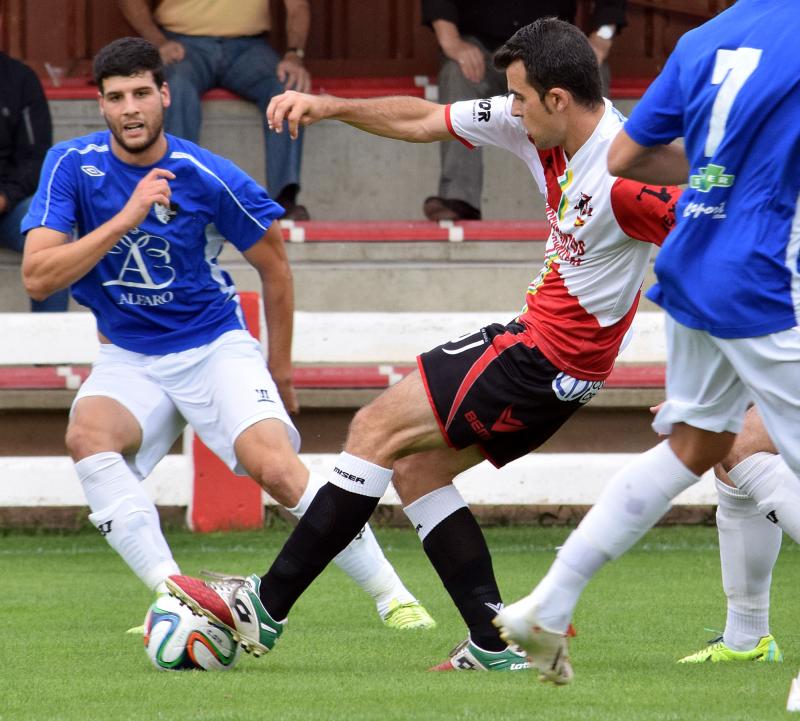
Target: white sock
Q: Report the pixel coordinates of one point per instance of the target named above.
(363, 559)
(126, 517)
(430, 510)
(632, 502)
(356, 475)
(774, 487)
(748, 548)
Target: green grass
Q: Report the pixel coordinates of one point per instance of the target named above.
(67, 600)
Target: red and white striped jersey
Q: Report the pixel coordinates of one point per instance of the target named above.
(602, 230)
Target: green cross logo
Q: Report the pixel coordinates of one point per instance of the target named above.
(711, 176)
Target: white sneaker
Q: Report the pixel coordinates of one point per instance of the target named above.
(547, 650)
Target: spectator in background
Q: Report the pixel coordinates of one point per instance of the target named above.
(468, 32)
(26, 134)
(225, 44)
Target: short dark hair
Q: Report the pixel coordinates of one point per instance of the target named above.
(555, 54)
(127, 57)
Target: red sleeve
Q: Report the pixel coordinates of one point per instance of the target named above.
(644, 212)
(449, 121)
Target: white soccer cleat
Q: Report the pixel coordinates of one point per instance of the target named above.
(793, 702)
(547, 650)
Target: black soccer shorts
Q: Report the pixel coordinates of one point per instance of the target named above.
(496, 390)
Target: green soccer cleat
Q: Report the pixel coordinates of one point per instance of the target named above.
(469, 657)
(766, 651)
(233, 602)
(409, 616)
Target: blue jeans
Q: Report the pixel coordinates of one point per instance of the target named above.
(10, 237)
(247, 67)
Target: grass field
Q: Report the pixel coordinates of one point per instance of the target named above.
(67, 600)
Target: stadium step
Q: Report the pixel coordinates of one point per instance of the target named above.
(386, 266)
(347, 174)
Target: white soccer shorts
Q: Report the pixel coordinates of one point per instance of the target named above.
(710, 382)
(220, 389)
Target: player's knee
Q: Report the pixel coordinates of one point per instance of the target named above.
(371, 433)
(746, 445)
(283, 480)
(83, 441)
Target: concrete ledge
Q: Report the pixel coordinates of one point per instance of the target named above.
(539, 479)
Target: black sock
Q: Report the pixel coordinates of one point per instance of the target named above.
(288, 196)
(333, 519)
(459, 554)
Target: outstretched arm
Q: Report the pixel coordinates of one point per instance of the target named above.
(657, 164)
(401, 117)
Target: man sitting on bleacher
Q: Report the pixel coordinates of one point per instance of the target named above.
(505, 389)
(225, 44)
(174, 348)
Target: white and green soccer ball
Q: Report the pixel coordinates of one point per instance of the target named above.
(177, 640)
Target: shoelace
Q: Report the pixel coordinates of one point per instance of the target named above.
(405, 613)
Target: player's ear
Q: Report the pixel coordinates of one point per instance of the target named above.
(559, 99)
(165, 96)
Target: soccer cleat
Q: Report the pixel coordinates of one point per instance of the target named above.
(232, 602)
(469, 657)
(793, 702)
(136, 631)
(408, 616)
(766, 651)
(547, 650)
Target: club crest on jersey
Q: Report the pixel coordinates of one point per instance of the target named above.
(146, 262)
(165, 214)
(585, 210)
(568, 388)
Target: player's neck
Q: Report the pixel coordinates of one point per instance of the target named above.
(580, 128)
(148, 157)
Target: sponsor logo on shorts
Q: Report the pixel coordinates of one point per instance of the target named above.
(506, 423)
(477, 425)
(568, 388)
(104, 528)
(349, 476)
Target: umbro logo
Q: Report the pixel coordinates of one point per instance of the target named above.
(92, 171)
(771, 516)
(496, 607)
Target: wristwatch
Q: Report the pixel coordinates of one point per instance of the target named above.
(606, 32)
(297, 51)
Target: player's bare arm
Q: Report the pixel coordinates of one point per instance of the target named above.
(657, 164)
(50, 263)
(401, 118)
(268, 257)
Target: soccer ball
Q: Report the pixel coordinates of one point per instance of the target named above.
(177, 640)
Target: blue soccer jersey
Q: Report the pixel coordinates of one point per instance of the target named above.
(159, 289)
(731, 88)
